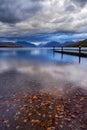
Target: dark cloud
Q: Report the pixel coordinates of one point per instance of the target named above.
(12, 11)
(26, 17)
(70, 8)
(80, 2)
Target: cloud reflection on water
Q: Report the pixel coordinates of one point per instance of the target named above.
(18, 73)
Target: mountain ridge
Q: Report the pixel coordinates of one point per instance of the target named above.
(50, 44)
(9, 44)
(82, 43)
(26, 44)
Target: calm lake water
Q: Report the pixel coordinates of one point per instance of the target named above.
(20, 67)
(42, 90)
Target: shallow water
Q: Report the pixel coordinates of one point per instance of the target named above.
(34, 71)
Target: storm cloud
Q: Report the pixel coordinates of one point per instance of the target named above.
(12, 11)
(25, 17)
(80, 2)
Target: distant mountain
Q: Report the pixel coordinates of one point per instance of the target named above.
(67, 42)
(41, 45)
(17, 44)
(78, 43)
(25, 44)
(9, 44)
(51, 44)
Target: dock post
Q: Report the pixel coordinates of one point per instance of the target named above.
(53, 48)
(79, 50)
(62, 49)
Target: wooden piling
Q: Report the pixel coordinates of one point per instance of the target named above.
(61, 49)
(53, 48)
(79, 50)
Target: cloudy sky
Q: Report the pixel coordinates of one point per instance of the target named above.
(44, 19)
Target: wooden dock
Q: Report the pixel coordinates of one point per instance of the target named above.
(77, 51)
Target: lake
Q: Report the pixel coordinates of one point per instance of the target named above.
(38, 84)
